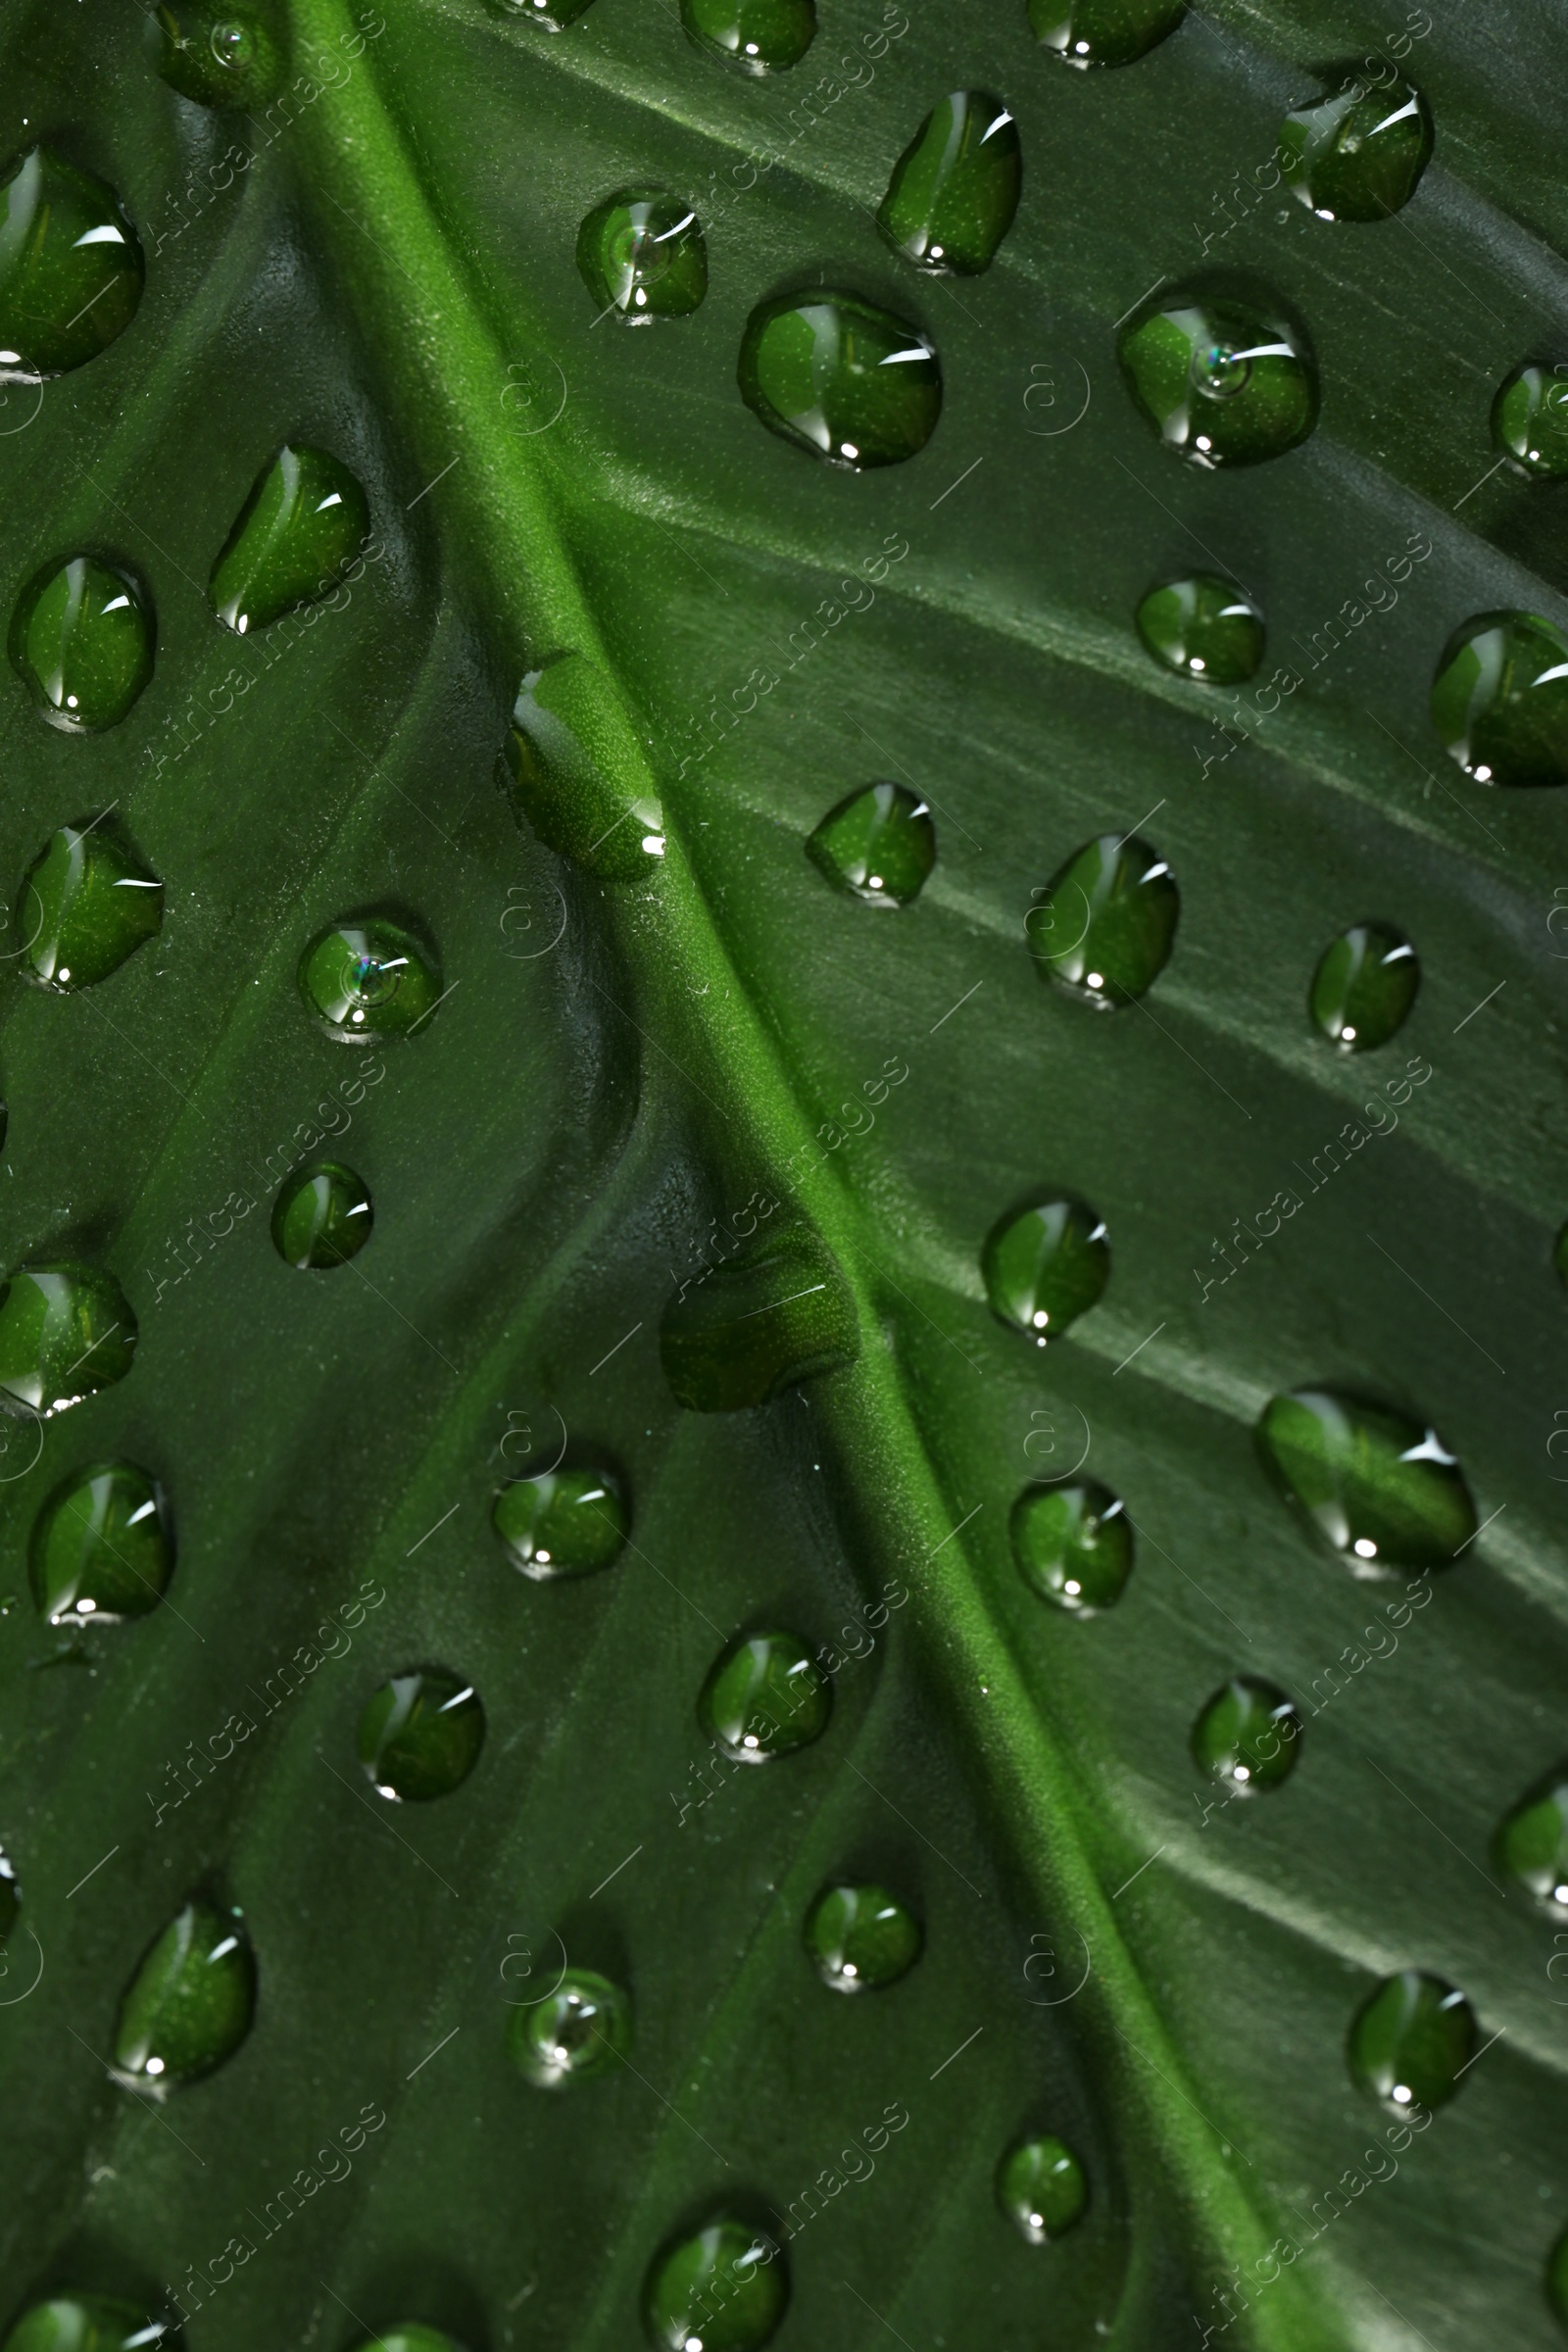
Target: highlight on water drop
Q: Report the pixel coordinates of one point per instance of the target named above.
(1045, 1266)
(81, 642)
(642, 257)
(86, 903)
(71, 268)
(101, 1547)
(1411, 2040)
(765, 1696)
(1364, 986)
(861, 1938)
(75, 2323)
(66, 1331)
(1042, 2188)
(215, 55)
(1531, 1843)
(1223, 382)
(190, 2003)
(1104, 926)
(321, 1217)
(1202, 627)
(563, 1523)
(1359, 153)
(1500, 700)
(368, 980)
(1530, 421)
(295, 537)
(879, 843)
(1102, 32)
(725, 2286)
(955, 189)
(1247, 1736)
(838, 377)
(760, 37)
(580, 2030)
(1379, 1487)
(420, 1736)
(1073, 1545)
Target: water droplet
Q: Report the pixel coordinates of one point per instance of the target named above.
(1045, 1265)
(1500, 700)
(1358, 154)
(879, 843)
(66, 1331)
(410, 2336)
(1102, 32)
(1103, 928)
(861, 1938)
(71, 269)
(1411, 2040)
(1204, 628)
(724, 2290)
(840, 378)
(83, 2323)
(420, 1735)
(213, 55)
(1364, 987)
(1530, 421)
(1248, 1734)
(81, 641)
(580, 2030)
(1378, 1486)
(761, 36)
(1557, 2279)
(321, 1217)
(564, 1523)
(955, 188)
(189, 2006)
(10, 1898)
(1223, 383)
(369, 979)
(570, 735)
(101, 1547)
(771, 1317)
(293, 539)
(1530, 1846)
(1073, 1545)
(553, 14)
(643, 256)
(764, 1697)
(1042, 2188)
(86, 903)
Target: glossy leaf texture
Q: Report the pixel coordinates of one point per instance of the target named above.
(665, 1077)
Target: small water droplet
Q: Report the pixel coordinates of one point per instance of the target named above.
(85, 903)
(835, 376)
(1500, 700)
(1041, 2187)
(1531, 1845)
(955, 189)
(861, 1938)
(1359, 153)
(1045, 1265)
(643, 256)
(1102, 32)
(71, 268)
(101, 1547)
(215, 55)
(1248, 1734)
(420, 1736)
(570, 735)
(773, 1316)
(1223, 383)
(1204, 627)
(1378, 1486)
(1364, 987)
(584, 2029)
(321, 1217)
(879, 843)
(1411, 2040)
(81, 641)
(190, 2002)
(764, 1697)
(1105, 925)
(369, 979)
(411, 2335)
(552, 14)
(293, 539)
(66, 1331)
(760, 37)
(69, 2322)
(563, 1522)
(1530, 421)
(1073, 1545)
(723, 2289)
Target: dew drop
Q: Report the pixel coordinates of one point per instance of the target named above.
(1378, 1486)
(321, 1217)
(1248, 1734)
(420, 1736)
(722, 2289)
(840, 379)
(643, 256)
(1223, 383)
(570, 736)
(1364, 987)
(553, 14)
(764, 1697)
(955, 189)
(1358, 154)
(294, 538)
(563, 1522)
(101, 1547)
(1041, 2187)
(1500, 700)
(81, 641)
(368, 979)
(861, 1938)
(71, 268)
(213, 55)
(582, 2028)
(1073, 1545)
(1411, 2040)
(760, 37)
(1530, 421)
(879, 843)
(1102, 32)
(66, 1331)
(189, 2006)
(84, 2324)
(86, 903)
(1045, 1265)
(773, 1316)
(1105, 925)
(1202, 627)
(1531, 1845)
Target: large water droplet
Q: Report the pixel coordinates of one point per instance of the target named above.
(1530, 421)
(723, 2288)
(761, 36)
(643, 256)
(1531, 1845)
(1378, 1485)
(189, 2006)
(84, 2324)
(770, 1318)
(1411, 2040)
(1102, 32)
(66, 1331)
(81, 641)
(1224, 384)
(1045, 1265)
(1364, 987)
(879, 843)
(1073, 1545)
(582, 2028)
(71, 269)
(764, 1697)
(1204, 628)
(321, 1217)
(570, 736)
(369, 979)
(955, 188)
(1500, 700)
(1104, 926)
(293, 539)
(861, 1938)
(840, 378)
(563, 1522)
(1248, 1734)
(215, 55)
(101, 1547)
(1358, 154)
(420, 1736)
(86, 903)
(1041, 2188)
